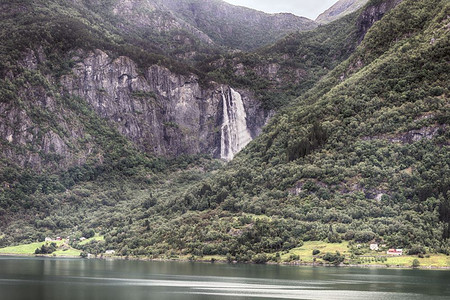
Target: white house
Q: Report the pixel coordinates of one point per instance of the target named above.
(374, 247)
(110, 252)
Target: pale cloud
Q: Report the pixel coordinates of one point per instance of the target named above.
(304, 8)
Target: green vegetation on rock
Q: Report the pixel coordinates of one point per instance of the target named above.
(358, 151)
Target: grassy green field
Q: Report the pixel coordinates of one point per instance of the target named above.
(68, 252)
(435, 260)
(305, 251)
(62, 249)
(28, 249)
(94, 238)
(25, 249)
(369, 258)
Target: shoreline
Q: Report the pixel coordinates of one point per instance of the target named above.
(292, 264)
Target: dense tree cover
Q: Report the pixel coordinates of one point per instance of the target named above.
(383, 171)
(362, 155)
(336, 258)
(46, 249)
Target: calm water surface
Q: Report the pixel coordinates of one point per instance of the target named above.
(48, 279)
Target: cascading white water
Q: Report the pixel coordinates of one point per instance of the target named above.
(235, 134)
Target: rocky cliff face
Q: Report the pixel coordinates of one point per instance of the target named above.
(162, 113)
(38, 131)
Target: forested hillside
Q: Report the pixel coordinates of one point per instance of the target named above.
(362, 155)
(356, 149)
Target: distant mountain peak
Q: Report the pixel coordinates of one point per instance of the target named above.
(234, 26)
(340, 9)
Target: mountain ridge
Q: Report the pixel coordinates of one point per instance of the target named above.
(340, 9)
(359, 152)
(211, 21)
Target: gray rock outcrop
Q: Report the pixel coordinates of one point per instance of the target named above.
(161, 112)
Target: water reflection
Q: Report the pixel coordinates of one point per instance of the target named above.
(39, 278)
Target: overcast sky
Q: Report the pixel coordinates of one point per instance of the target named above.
(305, 8)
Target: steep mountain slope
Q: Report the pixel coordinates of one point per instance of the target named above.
(53, 64)
(180, 29)
(189, 22)
(237, 27)
(362, 155)
(283, 71)
(161, 105)
(340, 9)
(71, 113)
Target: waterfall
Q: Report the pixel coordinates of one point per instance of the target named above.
(234, 132)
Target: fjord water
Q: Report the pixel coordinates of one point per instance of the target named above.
(48, 278)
